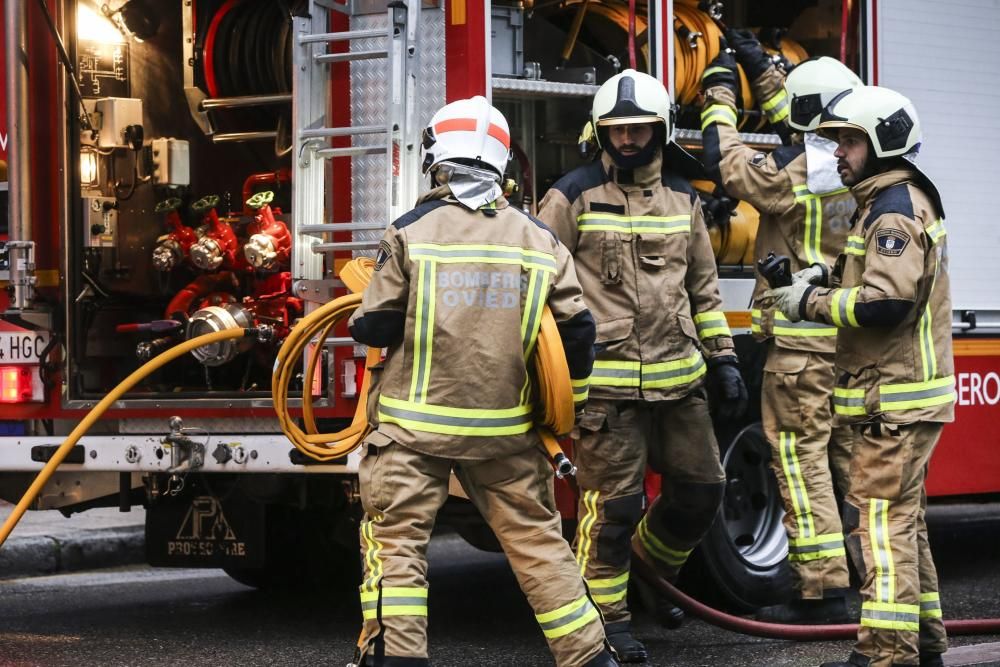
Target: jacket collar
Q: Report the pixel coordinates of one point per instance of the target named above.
(645, 176)
(444, 192)
(867, 189)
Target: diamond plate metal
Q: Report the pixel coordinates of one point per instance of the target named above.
(214, 425)
(368, 107)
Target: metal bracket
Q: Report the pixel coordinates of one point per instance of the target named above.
(185, 454)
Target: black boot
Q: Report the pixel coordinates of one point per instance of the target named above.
(824, 611)
(928, 659)
(626, 647)
(662, 609)
(602, 659)
(853, 660)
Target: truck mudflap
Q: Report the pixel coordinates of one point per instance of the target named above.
(197, 529)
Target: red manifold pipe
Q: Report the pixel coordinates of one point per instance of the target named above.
(283, 175)
(200, 286)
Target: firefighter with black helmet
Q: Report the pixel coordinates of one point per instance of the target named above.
(889, 296)
(805, 214)
(457, 296)
(643, 256)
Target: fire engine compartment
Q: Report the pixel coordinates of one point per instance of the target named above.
(161, 244)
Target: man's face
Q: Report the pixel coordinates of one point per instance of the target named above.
(631, 138)
(851, 154)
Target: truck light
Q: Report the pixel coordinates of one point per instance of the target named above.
(17, 384)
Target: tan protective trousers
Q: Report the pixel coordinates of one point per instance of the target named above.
(616, 441)
(402, 491)
(900, 605)
(805, 447)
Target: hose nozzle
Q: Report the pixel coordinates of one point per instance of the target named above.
(564, 467)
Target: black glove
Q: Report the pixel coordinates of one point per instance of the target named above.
(721, 72)
(749, 52)
(717, 209)
(727, 392)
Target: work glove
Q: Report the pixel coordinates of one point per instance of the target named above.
(749, 52)
(787, 299)
(727, 392)
(721, 71)
(717, 209)
(811, 275)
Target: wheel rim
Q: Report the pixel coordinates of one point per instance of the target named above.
(751, 509)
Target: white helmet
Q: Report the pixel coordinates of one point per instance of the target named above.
(887, 117)
(632, 97)
(467, 130)
(812, 85)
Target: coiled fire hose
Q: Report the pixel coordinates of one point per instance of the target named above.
(550, 365)
(108, 401)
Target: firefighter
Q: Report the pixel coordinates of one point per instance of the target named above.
(889, 297)
(805, 214)
(635, 227)
(459, 286)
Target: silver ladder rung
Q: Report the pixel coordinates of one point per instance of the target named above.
(242, 136)
(344, 245)
(244, 101)
(321, 228)
(350, 56)
(342, 36)
(322, 132)
(350, 151)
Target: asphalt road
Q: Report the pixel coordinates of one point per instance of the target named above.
(143, 616)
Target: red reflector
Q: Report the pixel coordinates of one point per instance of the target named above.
(15, 384)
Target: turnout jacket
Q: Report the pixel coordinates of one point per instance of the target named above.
(457, 298)
(891, 302)
(807, 227)
(645, 262)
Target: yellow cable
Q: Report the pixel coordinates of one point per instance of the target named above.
(88, 421)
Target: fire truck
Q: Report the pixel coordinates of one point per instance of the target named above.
(177, 167)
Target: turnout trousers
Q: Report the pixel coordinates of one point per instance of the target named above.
(900, 604)
(806, 448)
(402, 491)
(617, 440)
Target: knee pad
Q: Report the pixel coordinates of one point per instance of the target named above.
(690, 513)
(851, 519)
(620, 518)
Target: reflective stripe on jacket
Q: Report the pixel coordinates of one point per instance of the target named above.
(891, 302)
(457, 298)
(645, 262)
(807, 228)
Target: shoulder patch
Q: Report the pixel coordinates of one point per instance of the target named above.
(891, 242)
(383, 255)
(420, 211)
(757, 159)
(783, 155)
(573, 184)
(895, 199)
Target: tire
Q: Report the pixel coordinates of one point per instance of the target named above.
(744, 556)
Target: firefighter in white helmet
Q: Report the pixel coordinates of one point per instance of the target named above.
(642, 252)
(456, 298)
(805, 214)
(889, 296)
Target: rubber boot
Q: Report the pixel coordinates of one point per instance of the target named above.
(662, 609)
(626, 647)
(931, 660)
(602, 659)
(823, 611)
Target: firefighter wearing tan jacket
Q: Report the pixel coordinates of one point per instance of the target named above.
(805, 214)
(890, 299)
(456, 298)
(643, 257)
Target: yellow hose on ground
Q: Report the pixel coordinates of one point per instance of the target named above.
(87, 422)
